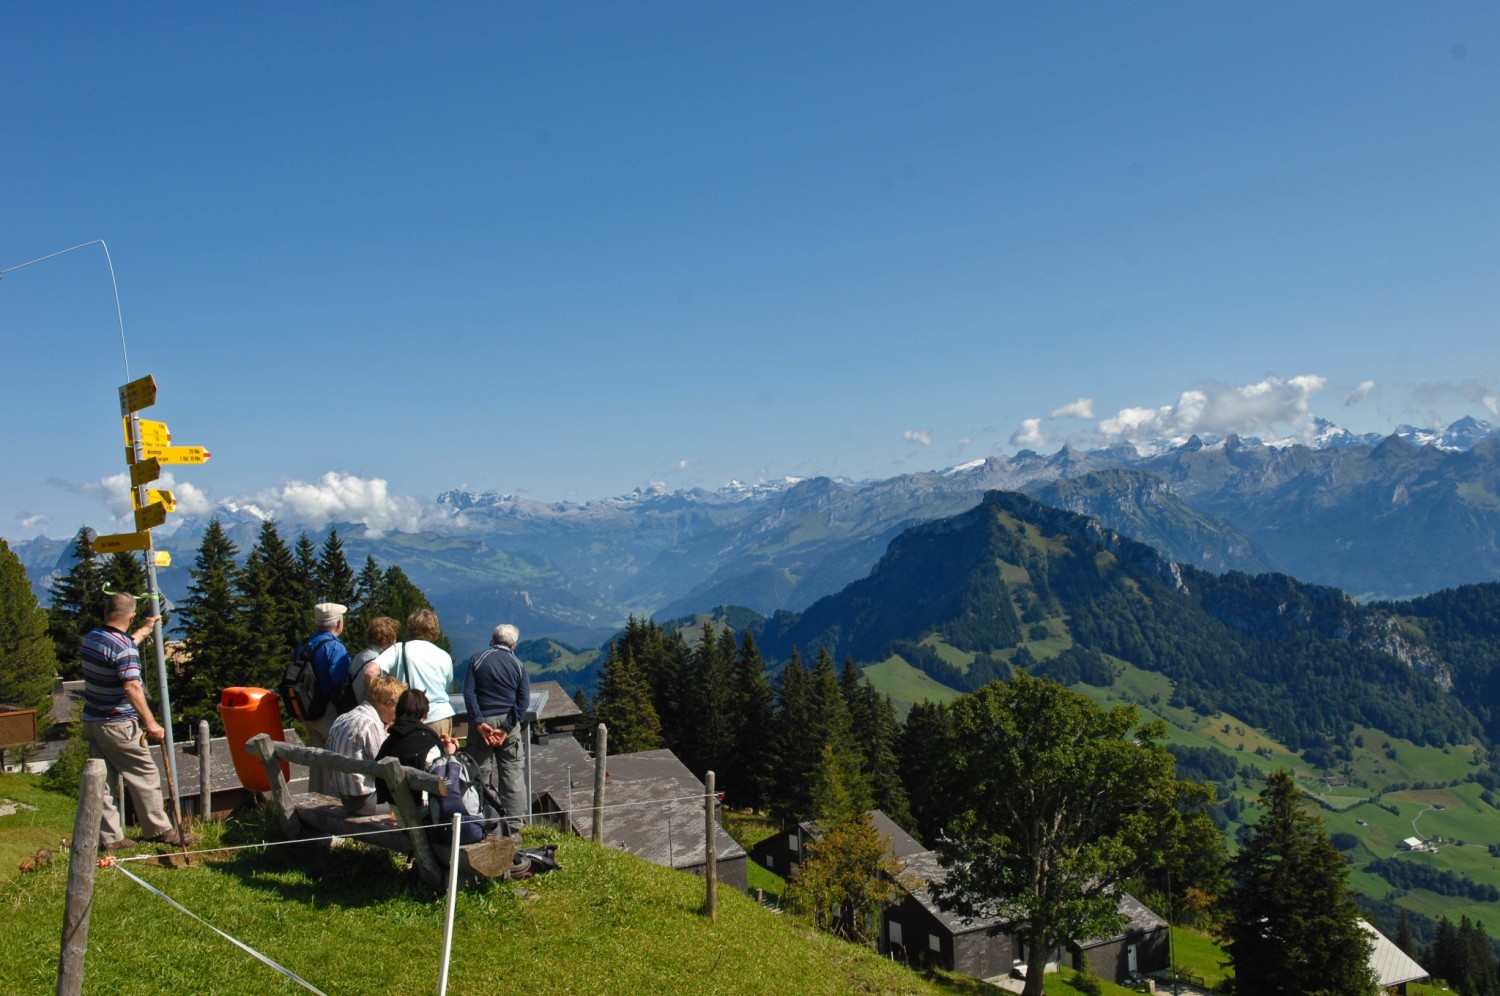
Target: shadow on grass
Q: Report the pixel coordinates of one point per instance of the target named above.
(313, 872)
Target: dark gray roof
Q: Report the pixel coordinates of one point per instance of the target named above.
(559, 705)
(650, 764)
(1138, 920)
(67, 703)
(925, 868)
(221, 774)
(652, 818)
(561, 762)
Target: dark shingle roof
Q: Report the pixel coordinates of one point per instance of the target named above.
(559, 705)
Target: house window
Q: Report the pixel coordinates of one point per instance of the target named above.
(894, 929)
(934, 942)
(793, 843)
(770, 861)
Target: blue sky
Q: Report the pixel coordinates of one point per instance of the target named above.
(371, 252)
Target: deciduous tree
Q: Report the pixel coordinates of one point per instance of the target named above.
(846, 878)
(1062, 801)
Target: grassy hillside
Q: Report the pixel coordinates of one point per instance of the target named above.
(349, 920)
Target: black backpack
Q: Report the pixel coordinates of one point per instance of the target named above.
(300, 688)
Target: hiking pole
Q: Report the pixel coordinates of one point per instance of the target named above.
(166, 760)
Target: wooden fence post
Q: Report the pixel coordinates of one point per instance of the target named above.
(205, 781)
(601, 752)
(281, 794)
(394, 776)
(710, 853)
(81, 862)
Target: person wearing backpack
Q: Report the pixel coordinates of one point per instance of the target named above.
(330, 660)
(410, 740)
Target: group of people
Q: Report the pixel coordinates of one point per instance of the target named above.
(402, 710)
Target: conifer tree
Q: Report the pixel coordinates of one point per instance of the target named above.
(876, 730)
(708, 701)
(305, 582)
(754, 722)
(1293, 926)
(624, 706)
(124, 572)
(921, 754)
(335, 578)
(77, 604)
(212, 619)
(795, 756)
(1403, 938)
(833, 727)
(268, 585)
(28, 664)
(369, 588)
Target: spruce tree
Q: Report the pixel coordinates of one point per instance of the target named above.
(125, 572)
(795, 755)
(708, 701)
(1293, 925)
(305, 583)
(833, 728)
(77, 604)
(369, 586)
(212, 619)
(624, 706)
(28, 664)
(754, 716)
(335, 578)
(921, 755)
(268, 585)
(876, 730)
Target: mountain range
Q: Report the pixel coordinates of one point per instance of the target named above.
(1397, 516)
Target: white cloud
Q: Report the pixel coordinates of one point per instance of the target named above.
(1360, 393)
(923, 436)
(964, 440)
(1029, 434)
(339, 497)
(37, 522)
(1491, 402)
(1082, 408)
(1264, 408)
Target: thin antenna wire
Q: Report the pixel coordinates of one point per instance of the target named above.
(119, 313)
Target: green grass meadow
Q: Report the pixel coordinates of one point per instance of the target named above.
(352, 919)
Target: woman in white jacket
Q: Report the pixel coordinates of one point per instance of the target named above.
(422, 664)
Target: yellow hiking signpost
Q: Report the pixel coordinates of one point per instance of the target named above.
(148, 447)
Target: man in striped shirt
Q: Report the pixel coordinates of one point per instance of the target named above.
(115, 716)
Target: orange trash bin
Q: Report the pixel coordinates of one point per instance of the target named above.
(246, 712)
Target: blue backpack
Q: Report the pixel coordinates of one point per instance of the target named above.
(467, 797)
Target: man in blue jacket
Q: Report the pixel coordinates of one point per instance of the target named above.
(497, 693)
(331, 663)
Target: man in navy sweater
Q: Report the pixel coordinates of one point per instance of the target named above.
(497, 693)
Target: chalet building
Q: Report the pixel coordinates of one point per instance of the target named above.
(921, 932)
(653, 806)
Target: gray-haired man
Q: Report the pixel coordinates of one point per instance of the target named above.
(497, 692)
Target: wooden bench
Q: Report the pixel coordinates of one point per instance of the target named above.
(403, 829)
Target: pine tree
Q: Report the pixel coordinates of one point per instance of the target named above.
(212, 619)
(335, 578)
(369, 588)
(77, 604)
(624, 706)
(305, 592)
(876, 730)
(1403, 939)
(833, 728)
(794, 755)
(1293, 926)
(755, 715)
(124, 572)
(268, 585)
(925, 771)
(707, 702)
(28, 664)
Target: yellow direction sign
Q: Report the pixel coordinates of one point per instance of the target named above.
(153, 495)
(151, 516)
(169, 454)
(179, 454)
(151, 432)
(163, 558)
(143, 473)
(122, 542)
(138, 394)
